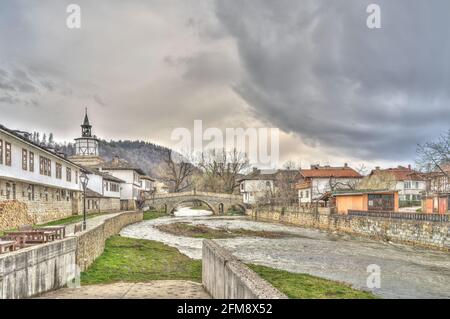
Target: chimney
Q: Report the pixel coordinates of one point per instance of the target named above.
(116, 160)
(409, 166)
(345, 165)
(377, 168)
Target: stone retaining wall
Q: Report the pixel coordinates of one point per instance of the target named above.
(31, 271)
(420, 233)
(224, 277)
(34, 270)
(91, 243)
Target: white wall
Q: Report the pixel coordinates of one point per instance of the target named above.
(252, 190)
(15, 171)
(415, 189)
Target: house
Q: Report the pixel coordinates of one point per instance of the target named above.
(314, 185)
(147, 185)
(257, 186)
(269, 186)
(161, 188)
(366, 201)
(409, 183)
(103, 191)
(130, 190)
(45, 181)
(436, 198)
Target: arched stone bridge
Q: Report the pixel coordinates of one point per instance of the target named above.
(218, 203)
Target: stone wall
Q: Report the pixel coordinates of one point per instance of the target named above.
(46, 205)
(224, 277)
(91, 243)
(31, 271)
(34, 270)
(419, 233)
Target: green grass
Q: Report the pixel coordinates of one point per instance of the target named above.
(148, 215)
(303, 286)
(138, 260)
(70, 220)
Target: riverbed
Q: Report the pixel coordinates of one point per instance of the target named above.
(405, 271)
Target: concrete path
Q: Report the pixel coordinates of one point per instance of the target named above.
(160, 289)
(90, 222)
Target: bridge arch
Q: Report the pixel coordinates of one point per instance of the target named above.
(218, 203)
(176, 205)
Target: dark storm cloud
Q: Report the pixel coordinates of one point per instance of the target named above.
(314, 68)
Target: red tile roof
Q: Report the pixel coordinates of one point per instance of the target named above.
(400, 173)
(328, 171)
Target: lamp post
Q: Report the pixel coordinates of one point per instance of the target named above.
(84, 179)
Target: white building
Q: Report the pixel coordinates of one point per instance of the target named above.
(257, 186)
(317, 183)
(130, 190)
(46, 181)
(409, 183)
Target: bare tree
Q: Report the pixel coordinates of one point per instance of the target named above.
(221, 168)
(434, 155)
(177, 171)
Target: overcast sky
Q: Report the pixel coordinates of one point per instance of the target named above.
(337, 90)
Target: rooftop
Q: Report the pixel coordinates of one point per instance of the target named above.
(317, 171)
(120, 164)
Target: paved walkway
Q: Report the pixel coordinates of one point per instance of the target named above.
(160, 289)
(90, 222)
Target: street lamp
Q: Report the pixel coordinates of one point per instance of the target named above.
(84, 179)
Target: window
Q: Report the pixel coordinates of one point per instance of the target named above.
(58, 171)
(381, 202)
(8, 191)
(307, 194)
(76, 177)
(30, 191)
(408, 185)
(1, 151)
(24, 159)
(7, 154)
(31, 162)
(45, 166)
(68, 174)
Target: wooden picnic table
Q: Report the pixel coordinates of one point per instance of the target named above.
(7, 245)
(33, 237)
(60, 231)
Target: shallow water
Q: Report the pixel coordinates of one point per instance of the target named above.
(406, 272)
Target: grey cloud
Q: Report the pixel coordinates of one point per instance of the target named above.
(314, 68)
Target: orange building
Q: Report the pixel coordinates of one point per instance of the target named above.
(436, 204)
(366, 201)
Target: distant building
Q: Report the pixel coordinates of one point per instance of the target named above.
(257, 186)
(147, 185)
(409, 183)
(130, 190)
(268, 186)
(436, 198)
(46, 181)
(366, 201)
(316, 184)
(161, 188)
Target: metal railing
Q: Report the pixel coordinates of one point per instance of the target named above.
(402, 216)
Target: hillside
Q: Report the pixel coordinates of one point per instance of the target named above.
(147, 156)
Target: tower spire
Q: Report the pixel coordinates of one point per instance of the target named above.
(86, 127)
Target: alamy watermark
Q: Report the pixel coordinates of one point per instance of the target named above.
(374, 279)
(261, 145)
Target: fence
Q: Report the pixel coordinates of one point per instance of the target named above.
(403, 216)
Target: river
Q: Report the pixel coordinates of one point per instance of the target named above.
(405, 271)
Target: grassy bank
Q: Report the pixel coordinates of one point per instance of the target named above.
(203, 231)
(303, 286)
(148, 215)
(137, 260)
